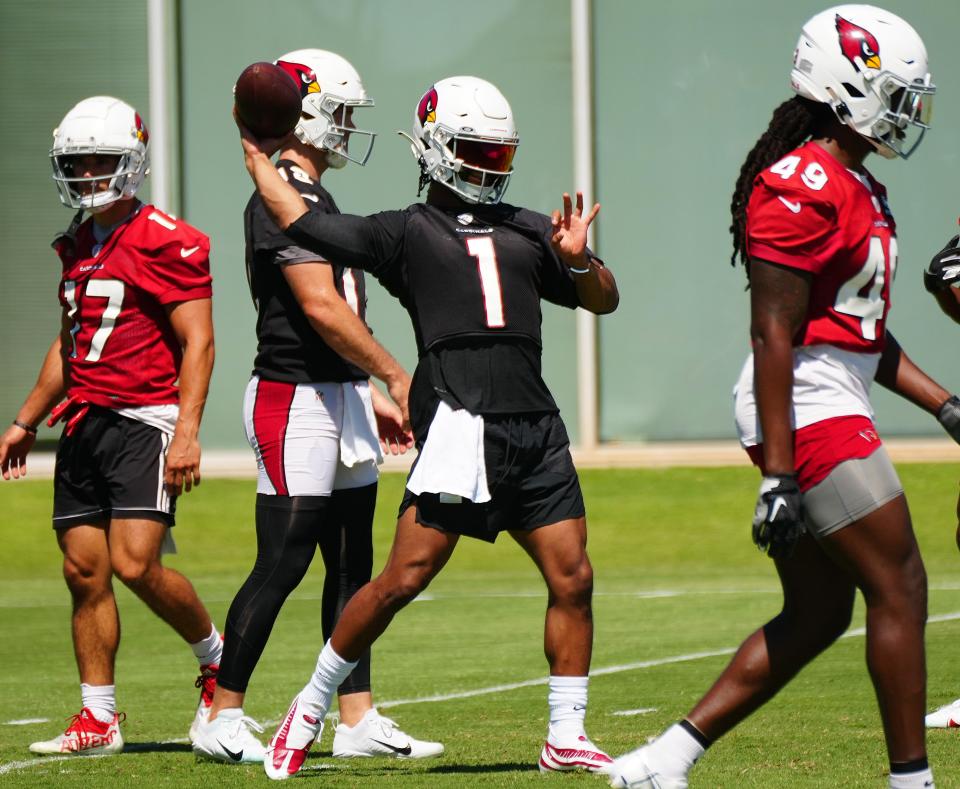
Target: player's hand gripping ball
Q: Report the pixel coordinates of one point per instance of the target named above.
(268, 100)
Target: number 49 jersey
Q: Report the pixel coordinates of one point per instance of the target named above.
(124, 351)
(810, 212)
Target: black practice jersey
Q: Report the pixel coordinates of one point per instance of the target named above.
(472, 278)
(288, 348)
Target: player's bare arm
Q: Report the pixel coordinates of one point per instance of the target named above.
(596, 286)
(899, 374)
(778, 305)
(282, 201)
(331, 317)
(395, 439)
(192, 323)
(18, 439)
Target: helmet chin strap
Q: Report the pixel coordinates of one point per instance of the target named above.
(69, 236)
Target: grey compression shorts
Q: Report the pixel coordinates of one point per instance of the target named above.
(854, 489)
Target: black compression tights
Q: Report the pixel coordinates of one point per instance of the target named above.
(289, 529)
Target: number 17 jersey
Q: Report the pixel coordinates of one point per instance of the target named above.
(810, 212)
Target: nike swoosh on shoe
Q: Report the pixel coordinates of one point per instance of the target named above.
(232, 754)
(405, 751)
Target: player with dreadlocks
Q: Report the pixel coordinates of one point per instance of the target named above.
(817, 237)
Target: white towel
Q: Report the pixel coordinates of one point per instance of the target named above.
(452, 460)
(358, 438)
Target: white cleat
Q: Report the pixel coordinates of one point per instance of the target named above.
(85, 736)
(288, 749)
(579, 754)
(633, 771)
(375, 735)
(227, 738)
(207, 682)
(945, 717)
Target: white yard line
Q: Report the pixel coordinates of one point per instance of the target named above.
(628, 713)
(491, 689)
(26, 721)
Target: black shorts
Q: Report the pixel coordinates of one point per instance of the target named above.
(111, 467)
(530, 475)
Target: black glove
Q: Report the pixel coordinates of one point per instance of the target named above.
(944, 270)
(778, 522)
(949, 417)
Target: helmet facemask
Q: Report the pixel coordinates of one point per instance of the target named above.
(461, 167)
(122, 183)
(909, 109)
(324, 124)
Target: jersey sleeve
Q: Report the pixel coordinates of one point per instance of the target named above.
(372, 243)
(790, 225)
(178, 269)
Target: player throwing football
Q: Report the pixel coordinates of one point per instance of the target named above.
(309, 417)
(493, 452)
(135, 292)
(816, 234)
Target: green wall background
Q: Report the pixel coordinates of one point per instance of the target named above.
(682, 92)
(52, 54)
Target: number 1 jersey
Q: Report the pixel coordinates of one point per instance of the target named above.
(472, 278)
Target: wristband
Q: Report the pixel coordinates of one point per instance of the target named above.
(586, 270)
(24, 426)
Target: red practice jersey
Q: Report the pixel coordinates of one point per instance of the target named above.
(810, 212)
(124, 350)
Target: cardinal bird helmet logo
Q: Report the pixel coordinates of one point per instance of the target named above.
(140, 132)
(427, 108)
(857, 43)
(304, 76)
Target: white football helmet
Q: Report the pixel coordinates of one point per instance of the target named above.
(464, 138)
(329, 86)
(106, 126)
(871, 67)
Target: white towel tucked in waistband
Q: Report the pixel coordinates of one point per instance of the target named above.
(358, 438)
(452, 459)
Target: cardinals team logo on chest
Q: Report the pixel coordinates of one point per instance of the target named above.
(858, 45)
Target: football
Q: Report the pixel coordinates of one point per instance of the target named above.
(267, 100)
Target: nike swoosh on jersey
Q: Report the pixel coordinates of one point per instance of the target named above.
(235, 756)
(185, 253)
(405, 751)
(794, 207)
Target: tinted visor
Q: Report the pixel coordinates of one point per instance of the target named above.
(495, 156)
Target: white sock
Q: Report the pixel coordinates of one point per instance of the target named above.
(567, 698)
(675, 751)
(922, 779)
(101, 700)
(210, 649)
(331, 670)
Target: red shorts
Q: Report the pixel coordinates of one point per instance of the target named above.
(819, 448)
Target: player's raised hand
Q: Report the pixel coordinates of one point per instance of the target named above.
(15, 443)
(569, 239)
(253, 145)
(182, 470)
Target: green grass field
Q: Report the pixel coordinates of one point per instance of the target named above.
(676, 576)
